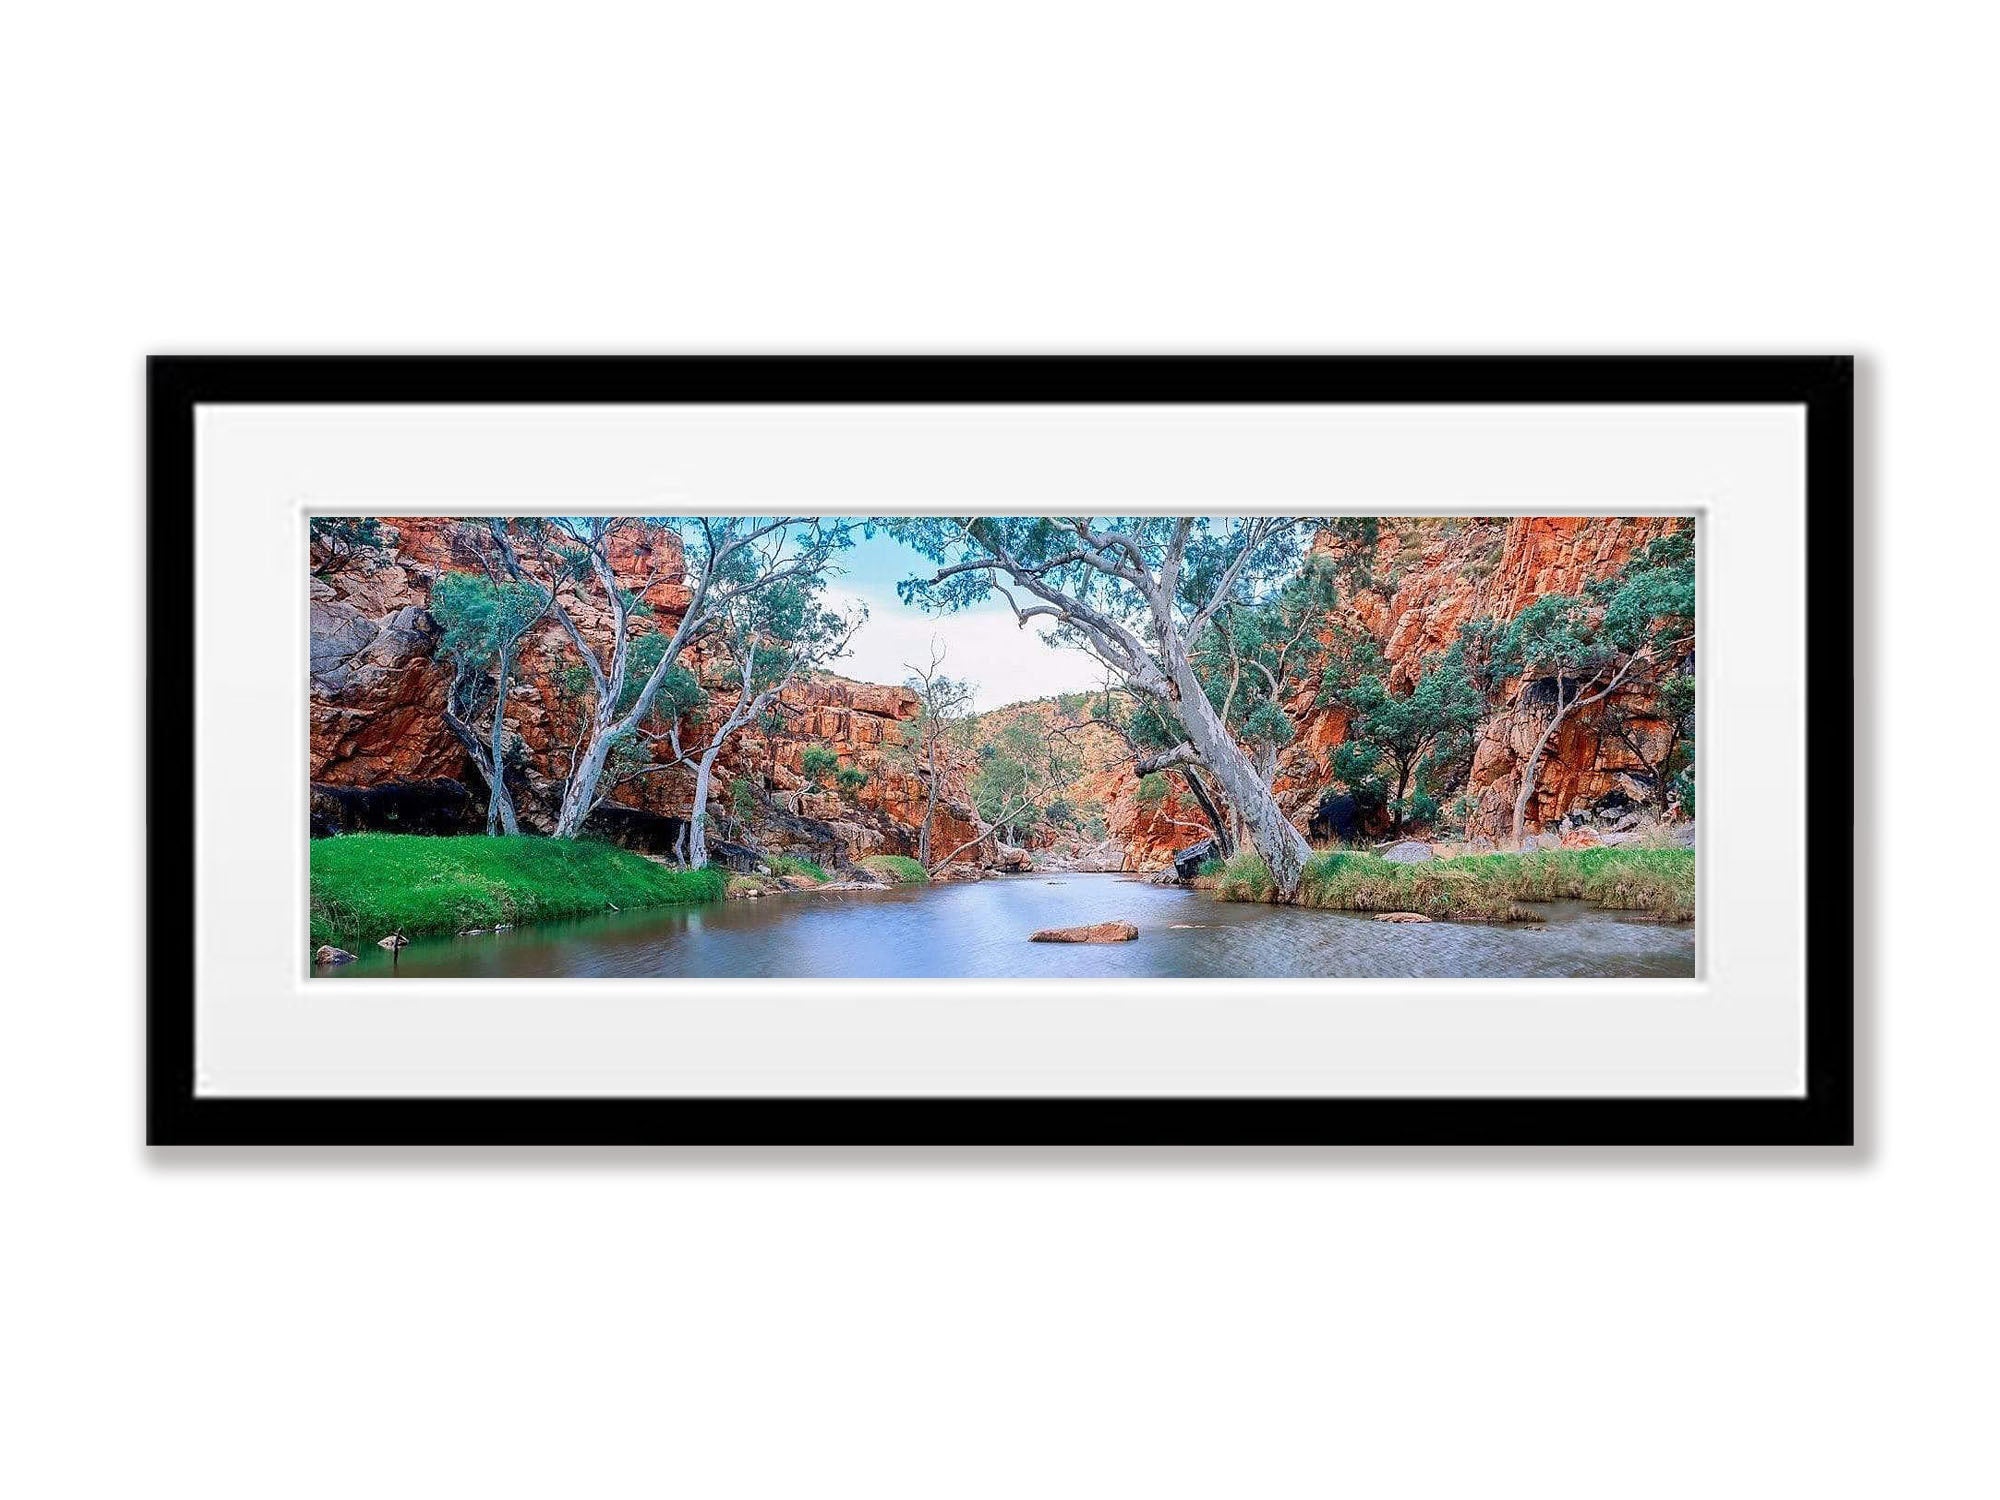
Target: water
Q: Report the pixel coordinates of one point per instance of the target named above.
(981, 931)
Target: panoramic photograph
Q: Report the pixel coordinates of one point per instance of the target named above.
(996, 746)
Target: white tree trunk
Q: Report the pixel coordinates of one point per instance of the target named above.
(580, 795)
(1284, 848)
(500, 815)
(704, 774)
(930, 811)
(1528, 775)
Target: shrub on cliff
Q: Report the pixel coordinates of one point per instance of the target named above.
(818, 763)
(368, 885)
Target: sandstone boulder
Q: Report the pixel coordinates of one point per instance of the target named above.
(329, 956)
(1096, 932)
(1409, 852)
(1017, 861)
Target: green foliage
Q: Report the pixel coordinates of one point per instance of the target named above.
(1357, 766)
(818, 763)
(792, 864)
(906, 870)
(742, 798)
(1684, 790)
(1152, 789)
(478, 616)
(350, 531)
(368, 885)
(1051, 546)
(680, 694)
(1417, 743)
(850, 779)
(1647, 606)
(1268, 724)
(1018, 768)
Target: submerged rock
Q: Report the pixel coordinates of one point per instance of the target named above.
(393, 941)
(1401, 916)
(330, 955)
(1096, 932)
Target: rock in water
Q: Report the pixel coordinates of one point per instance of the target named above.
(1097, 932)
(1401, 916)
(1409, 852)
(393, 941)
(330, 955)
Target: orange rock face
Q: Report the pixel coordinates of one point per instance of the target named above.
(1438, 573)
(1432, 575)
(378, 698)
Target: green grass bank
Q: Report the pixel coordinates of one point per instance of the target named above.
(792, 864)
(368, 885)
(1480, 887)
(899, 867)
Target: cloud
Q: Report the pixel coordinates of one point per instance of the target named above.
(981, 643)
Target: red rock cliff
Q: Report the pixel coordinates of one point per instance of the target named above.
(378, 698)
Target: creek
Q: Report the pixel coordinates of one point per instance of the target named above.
(980, 930)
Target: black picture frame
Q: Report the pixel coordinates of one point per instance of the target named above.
(1823, 1115)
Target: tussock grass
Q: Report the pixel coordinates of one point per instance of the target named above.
(792, 864)
(1482, 887)
(899, 866)
(368, 885)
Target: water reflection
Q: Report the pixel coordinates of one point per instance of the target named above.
(981, 931)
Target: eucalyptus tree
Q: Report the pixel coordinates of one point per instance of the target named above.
(1155, 736)
(484, 616)
(1022, 770)
(483, 621)
(1571, 651)
(943, 706)
(1137, 592)
(1414, 732)
(767, 640)
(1659, 734)
(724, 560)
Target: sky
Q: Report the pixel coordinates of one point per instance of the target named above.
(982, 643)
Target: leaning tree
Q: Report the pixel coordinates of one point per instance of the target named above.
(1137, 592)
(723, 559)
(1571, 651)
(765, 641)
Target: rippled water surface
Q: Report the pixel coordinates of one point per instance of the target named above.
(981, 931)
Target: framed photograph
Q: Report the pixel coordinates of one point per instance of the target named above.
(1000, 751)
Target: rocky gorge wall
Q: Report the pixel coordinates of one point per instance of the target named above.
(1427, 577)
(1434, 574)
(378, 695)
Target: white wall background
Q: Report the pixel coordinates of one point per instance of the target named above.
(1529, 177)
